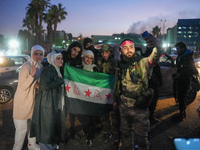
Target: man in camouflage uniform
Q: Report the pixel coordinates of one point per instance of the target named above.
(108, 65)
(133, 93)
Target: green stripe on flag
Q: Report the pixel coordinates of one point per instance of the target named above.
(88, 77)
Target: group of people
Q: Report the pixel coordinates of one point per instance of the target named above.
(40, 101)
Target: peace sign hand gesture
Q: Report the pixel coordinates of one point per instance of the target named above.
(34, 69)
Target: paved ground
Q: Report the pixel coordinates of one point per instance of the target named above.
(161, 135)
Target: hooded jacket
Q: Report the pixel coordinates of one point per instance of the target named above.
(185, 64)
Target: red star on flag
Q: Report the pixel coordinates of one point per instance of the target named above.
(88, 93)
(108, 96)
(67, 88)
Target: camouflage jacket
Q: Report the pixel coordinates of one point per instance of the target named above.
(131, 86)
(108, 67)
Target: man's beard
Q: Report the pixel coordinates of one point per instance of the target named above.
(130, 58)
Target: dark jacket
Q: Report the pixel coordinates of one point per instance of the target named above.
(75, 62)
(48, 119)
(185, 64)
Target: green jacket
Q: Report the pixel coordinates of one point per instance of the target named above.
(108, 67)
(136, 93)
(48, 121)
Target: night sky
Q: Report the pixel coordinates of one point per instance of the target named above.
(104, 17)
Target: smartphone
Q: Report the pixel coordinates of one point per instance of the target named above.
(145, 34)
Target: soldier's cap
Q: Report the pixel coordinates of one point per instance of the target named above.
(106, 47)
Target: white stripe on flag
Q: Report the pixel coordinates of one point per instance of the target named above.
(88, 93)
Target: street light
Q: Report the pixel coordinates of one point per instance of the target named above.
(163, 21)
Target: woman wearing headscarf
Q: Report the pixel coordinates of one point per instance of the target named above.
(88, 122)
(48, 121)
(24, 98)
(87, 61)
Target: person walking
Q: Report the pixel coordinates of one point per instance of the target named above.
(48, 121)
(133, 94)
(24, 98)
(185, 70)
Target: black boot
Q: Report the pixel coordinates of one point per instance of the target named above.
(72, 133)
(182, 114)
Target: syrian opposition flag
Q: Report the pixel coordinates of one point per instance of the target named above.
(88, 92)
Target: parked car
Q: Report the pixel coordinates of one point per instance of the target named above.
(9, 81)
(9, 63)
(197, 62)
(168, 68)
(8, 85)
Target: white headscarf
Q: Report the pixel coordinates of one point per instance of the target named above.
(51, 57)
(88, 67)
(88, 52)
(38, 64)
(33, 49)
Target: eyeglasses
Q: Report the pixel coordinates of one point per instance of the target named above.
(89, 57)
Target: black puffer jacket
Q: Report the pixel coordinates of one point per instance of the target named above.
(185, 64)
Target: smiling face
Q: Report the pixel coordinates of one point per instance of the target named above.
(59, 61)
(128, 49)
(75, 51)
(88, 59)
(37, 55)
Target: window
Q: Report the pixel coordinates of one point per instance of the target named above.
(18, 60)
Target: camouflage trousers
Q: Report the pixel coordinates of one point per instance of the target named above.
(134, 128)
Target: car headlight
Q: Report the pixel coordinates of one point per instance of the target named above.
(197, 63)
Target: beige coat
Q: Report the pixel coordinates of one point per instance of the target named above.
(24, 98)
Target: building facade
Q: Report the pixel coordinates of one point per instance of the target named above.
(188, 30)
(171, 37)
(117, 38)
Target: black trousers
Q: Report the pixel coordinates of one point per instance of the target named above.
(182, 88)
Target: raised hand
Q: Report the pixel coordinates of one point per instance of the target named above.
(34, 69)
(152, 41)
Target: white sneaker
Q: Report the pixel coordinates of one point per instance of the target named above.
(88, 142)
(33, 147)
